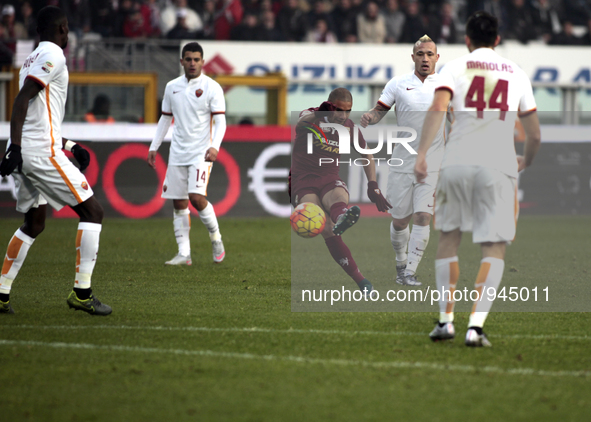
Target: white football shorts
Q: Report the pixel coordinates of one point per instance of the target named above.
(180, 181)
(54, 180)
(407, 196)
(477, 199)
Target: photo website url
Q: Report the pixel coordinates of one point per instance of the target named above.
(428, 295)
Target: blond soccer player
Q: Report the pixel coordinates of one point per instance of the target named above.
(478, 178)
(412, 95)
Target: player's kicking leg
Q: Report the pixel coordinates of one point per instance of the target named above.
(209, 219)
(17, 250)
(87, 246)
(417, 243)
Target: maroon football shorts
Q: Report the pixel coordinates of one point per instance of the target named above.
(318, 185)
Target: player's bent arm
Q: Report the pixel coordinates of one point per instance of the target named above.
(19, 110)
(374, 115)
(533, 138)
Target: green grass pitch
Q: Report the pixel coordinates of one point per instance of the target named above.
(218, 342)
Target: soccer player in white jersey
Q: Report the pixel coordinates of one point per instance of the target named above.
(412, 94)
(197, 104)
(43, 173)
(477, 189)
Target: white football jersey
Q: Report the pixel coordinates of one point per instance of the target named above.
(412, 99)
(42, 131)
(192, 103)
(488, 93)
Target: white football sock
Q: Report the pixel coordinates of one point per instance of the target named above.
(207, 216)
(489, 276)
(87, 246)
(447, 272)
(419, 239)
(17, 250)
(399, 241)
(182, 226)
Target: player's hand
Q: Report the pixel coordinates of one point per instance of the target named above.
(521, 163)
(211, 154)
(421, 169)
(365, 120)
(11, 160)
(82, 156)
(375, 196)
(152, 159)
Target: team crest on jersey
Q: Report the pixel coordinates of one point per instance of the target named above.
(164, 188)
(199, 92)
(84, 185)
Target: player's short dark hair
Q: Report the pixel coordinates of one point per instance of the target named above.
(482, 28)
(340, 94)
(48, 19)
(194, 47)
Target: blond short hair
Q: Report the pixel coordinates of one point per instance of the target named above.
(425, 38)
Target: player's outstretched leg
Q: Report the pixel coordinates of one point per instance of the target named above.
(346, 220)
(182, 228)
(210, 221)
(17, 250)
(342, 255)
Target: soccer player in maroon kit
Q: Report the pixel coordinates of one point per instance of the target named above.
(315, 177)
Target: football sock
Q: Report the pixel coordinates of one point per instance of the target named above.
(399, 241)
(419, 238)
(207, 216)
(337, 210)
(82, 294)
(87, 246)
(342, 255)
(447, 272)
(477, 329)
(182, 226)
(17, 250)
(4, 297)
(489, 275)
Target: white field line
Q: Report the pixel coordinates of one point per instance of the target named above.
(287, 331)
(302, 360)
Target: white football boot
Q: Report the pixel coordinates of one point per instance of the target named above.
(219, 253)
(473, 339)
(180, 260)
(446, 332)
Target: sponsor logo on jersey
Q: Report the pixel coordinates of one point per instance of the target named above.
(84, 185)
(199, 92)
(45, 69)
(164, 188)
(409, 89)
(49, 65)
(175, 92)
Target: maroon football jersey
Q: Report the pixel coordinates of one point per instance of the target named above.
(325, 144)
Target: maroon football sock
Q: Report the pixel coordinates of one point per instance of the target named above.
(336, 210)
(342, 255)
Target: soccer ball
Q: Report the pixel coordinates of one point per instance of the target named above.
(307, 220)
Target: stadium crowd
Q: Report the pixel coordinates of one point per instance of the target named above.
(559, 22)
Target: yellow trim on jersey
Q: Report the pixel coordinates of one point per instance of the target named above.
(70, 186)
(50, 123)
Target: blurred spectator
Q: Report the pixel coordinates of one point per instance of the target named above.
(566, 37)
(29, 20)
(208, 18)
(292, 21)
(442, 26)
(414, 24)
(319, 11)
(251, 6)
(371, 27)
(100, 112)
(546, 20)
(431, 7)
(577, 12)
(181, 31)
(13, 30)
(320, 33)
(345, 19)
(137, 21)
(269, 31)
(168, 17)
(155, 10)
(248, 30)
(78, 14)
(102, 17)
(228, 15)
(520, 25)
(394, 19)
